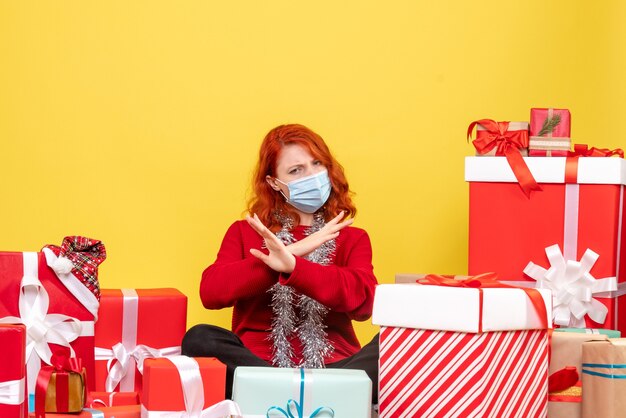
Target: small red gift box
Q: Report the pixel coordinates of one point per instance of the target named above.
(12, 371)
(567, 238)
(173, 384)
(54, 302)
(123, 411)
(508, 139)
(549, 132)
(61, 388)
(106, 399)
(492, 138)
(136, 324)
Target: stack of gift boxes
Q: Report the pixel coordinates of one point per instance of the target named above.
(565, 236)
(533, 331)
(69, 349)
(544, 218)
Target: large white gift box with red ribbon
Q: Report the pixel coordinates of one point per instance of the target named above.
(461, 351)
(136, 324)
(56, 308)
(566, 237)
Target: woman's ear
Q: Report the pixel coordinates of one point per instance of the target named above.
(272, 182)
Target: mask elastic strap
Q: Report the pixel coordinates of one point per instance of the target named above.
(280, 190)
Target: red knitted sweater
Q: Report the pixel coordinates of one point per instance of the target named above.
(240, 280)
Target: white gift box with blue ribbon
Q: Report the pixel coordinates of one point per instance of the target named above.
(270, 392)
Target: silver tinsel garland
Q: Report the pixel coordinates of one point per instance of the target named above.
(308, 325)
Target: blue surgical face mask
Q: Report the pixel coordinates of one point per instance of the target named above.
(308, 194)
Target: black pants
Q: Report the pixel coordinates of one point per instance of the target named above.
(211, 341)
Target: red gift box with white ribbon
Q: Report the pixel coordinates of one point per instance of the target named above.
(462, 351)
(183, 386)
(122, 411)
(55, 306)
(108, 399)
(136, 324)
(13, 371)
(566, 238)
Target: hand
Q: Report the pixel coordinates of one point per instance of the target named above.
(279, 258)
(313, 241)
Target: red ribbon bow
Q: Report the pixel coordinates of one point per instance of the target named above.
(562, 379)
(565, 386)
(583, 150)
(487, 280)
(62, 366)
(61, 362)
(508, 143)
(481, 280)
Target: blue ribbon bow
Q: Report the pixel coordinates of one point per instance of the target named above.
(298, 407)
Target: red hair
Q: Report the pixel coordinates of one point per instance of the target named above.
(265, 201)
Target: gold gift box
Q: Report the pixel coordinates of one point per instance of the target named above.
(75, 391)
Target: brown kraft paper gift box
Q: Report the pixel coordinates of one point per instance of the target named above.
(604, 378)
(566, 350)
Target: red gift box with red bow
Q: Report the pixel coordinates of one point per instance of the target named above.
(508, 139)
(61, 387)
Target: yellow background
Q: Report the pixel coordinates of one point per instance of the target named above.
(138, 122)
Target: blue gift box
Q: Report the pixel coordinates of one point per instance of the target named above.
(302, 393)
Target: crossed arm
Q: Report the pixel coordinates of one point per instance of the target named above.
(281, 257)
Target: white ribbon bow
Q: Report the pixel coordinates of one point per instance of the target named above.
(121, 361)
(12, 392)
(42, 328)
(572, 287)
(193, 395)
